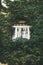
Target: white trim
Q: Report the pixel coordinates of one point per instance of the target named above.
(21, 26)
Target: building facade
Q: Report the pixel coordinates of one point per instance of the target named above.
(21, 29)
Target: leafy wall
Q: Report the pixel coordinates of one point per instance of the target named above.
(22, 51)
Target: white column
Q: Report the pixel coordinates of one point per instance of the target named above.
(24, 33)
(19, 32)
(15, 34)
(28, 36)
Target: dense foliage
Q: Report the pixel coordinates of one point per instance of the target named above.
(22, 51)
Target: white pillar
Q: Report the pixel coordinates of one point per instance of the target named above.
(24, 33)
(15, 34)
(19, 32)
(28, 35)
